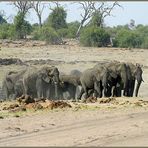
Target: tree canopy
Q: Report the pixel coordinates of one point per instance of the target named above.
(57, 18)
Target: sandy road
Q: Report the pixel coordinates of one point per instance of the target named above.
(109, 129)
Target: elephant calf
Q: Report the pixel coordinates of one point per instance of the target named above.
(90, 79)
(69, 86)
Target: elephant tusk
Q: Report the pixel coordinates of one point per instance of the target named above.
(109, 85)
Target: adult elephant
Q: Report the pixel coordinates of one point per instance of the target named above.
(37, 82)
(134, 73)
(118, 80)
(96, 79)
(12, 84)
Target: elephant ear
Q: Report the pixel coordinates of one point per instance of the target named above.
(97, 75)
(53, 71)
(44, 77)
(47, 79)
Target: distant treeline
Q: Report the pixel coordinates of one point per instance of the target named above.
(55, 28)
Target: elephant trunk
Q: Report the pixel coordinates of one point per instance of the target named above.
(139, 79)
(56, 84)
(125, 84)
(56, 91)
(137, 88)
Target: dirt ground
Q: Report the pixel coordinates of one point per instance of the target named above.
(124, 123)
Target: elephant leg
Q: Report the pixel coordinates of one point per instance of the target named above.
(95, 94)
(98, 87)
(78, 90)
(26, 90)
(13, 96)
(117, 90)
(90, 92)
(114, 91)
(39, 93)
(80, 94)
(72, 91)
(86, 92)
(56, 91)
(66, 95)
(125, 91)
(61, 93)
(48, 93)
(44, 93)
(7, 93)
(108, 91)
(132, 88)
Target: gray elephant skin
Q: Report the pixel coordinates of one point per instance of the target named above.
(95, 79)
(69, 85)
(31, 81)
(38, 82)
(12, 84)
(134, 74)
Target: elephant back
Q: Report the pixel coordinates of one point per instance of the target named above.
(76, 72)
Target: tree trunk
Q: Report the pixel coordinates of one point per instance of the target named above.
(78, 31)
(40, 20)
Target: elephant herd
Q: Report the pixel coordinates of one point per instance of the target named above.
(103, 80)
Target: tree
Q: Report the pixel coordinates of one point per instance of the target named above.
(87, 13)
(96, 20)
(92, 8)
(23, 6)
(57, 18)
(21, 26)
(38, 7)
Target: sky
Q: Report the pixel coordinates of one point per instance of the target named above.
(136, 10)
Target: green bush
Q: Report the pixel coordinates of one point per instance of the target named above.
(7, 31)
(145, 43)
(47, 34)
(62, 32)
(69, 32)
(128, 38)
(21, 26)
(3, 31)
(94, 36)
(72, 29)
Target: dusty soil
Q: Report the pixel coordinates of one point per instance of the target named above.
(111, 122)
